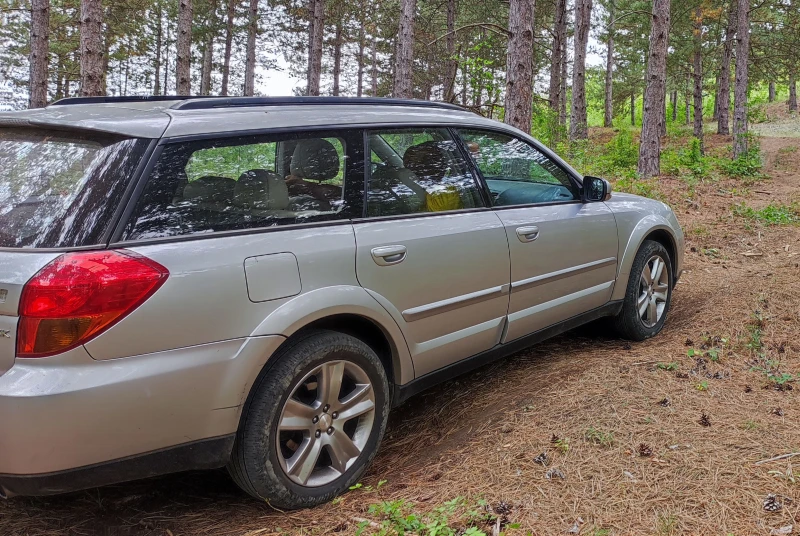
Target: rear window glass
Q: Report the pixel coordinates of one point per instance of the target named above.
(59, 189)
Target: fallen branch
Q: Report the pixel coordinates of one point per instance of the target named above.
(777, 458)
(752, 254)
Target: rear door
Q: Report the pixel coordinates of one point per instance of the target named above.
(429, 251)
(563, 251)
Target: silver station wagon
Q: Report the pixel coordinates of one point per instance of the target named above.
(253, 283)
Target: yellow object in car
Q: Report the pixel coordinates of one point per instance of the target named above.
(447, 198)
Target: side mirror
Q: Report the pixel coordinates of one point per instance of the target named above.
(595, 189)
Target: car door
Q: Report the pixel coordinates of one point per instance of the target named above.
(429, 250)
(563, 251)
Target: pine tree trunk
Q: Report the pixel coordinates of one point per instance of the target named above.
(451, 64)
(674, 99)
(633, 109)
(316, 30)
(226, 62)
(740, 87)
(166, 62)
(91, 48)
(183, 61)
(655, 91)
(159, 32)
(562, 93)
(724, 87)
(250, 56)
(205, 78)
(519, 77)
(578, 129)
(608, 118)
(715, 112)
(337, 58)
(559, 45)
(60, 80)
(792, 92)
(697, 71)
(361, 46)
(40, 46)
(374, 73)
(403, 87)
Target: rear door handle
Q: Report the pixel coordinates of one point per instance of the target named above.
(389, 255)
(528, 233)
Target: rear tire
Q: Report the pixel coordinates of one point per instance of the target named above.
(648, 295)
(274, 446)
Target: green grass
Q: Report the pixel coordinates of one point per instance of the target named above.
(599, 437)
(772, 214)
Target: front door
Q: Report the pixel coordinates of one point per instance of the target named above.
(563, 251)
(429, 251)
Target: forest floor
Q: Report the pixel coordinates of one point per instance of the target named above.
(661, 437)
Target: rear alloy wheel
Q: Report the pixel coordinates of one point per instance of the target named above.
(647, 297)
(313, 421)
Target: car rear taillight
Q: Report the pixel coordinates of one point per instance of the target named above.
(79, 295)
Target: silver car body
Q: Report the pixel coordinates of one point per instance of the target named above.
(173, 376)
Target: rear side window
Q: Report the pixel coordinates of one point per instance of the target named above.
(61, 189)
(250, 182)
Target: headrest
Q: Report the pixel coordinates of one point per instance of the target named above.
(315, 159)
(427, 160)
(261, 189)
(210, 190)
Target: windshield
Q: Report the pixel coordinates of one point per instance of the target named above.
(61, 189)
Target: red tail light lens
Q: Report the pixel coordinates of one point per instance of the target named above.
(79, 295)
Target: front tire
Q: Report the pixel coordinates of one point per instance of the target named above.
(648, 295)
(313, 422)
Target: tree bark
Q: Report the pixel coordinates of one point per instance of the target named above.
(674, 99)
(519, 77)
(205, 77)
(559, 46)
(655, 92)
(40, 46)
(226, 62)
(337, 58)
(316, 31)
(578, 129)
(403, 87)
(608, 118)
(724, 87)
(91, 48)
(633, 109)
(451, 64)
(361, 46)
(250, 50)
(159, 38)
(771, 96)
(562, 93)
(183, 61)
(740, 88)
(374, 73)
(792, 92)
(697, 72)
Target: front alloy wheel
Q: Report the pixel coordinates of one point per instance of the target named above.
(653, 290)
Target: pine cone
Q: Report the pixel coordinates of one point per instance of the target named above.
(704, 420)
(664, 402)
(645, 451)
(502, 508)
(554, 439)
(771, 503)
(542, 459)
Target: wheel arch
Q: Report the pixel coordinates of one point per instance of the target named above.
(649, 228)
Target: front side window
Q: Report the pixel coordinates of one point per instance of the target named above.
(418, 170)
(516, 172)
(249, 182)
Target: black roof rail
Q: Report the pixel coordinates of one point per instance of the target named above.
(128, 98)
(234, 102)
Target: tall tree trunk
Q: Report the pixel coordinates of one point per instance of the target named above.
(578, 129)
(166, 62)
(740, 87)
(724, 87)
(250, 56)
(226, 61)
(205, 77)
(633, 109)
(316, 31)
(403, 87)
(771, 96)
(697, 71)
(655, 91)
(519, 78)
(159, 31)
(674, 98)
(374, 73)
(608, 118)
(562, 93)
(40, 46)
(60, 79)
(183, 61)
(451, 64)
(91, 48)
(361, 46)
(559, 45)
(792, 91)
(337, 58)
(715, 111)
(688, 99)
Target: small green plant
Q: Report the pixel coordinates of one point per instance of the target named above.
(621, 151)
(667, 524)
(668, 366)
(702, 386)
(747, 166)
(562, 444)
(692, 158)
(643, 187)
(772, 214)
(599, 437)
(750, 425)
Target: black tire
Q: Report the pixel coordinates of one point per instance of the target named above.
(255, 465)
(628, 323)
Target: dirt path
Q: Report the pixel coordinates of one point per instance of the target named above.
(608, 400)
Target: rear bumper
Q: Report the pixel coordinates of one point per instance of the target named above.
(69, 416)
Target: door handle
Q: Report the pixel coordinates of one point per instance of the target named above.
(528, 233)
(389, 255)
